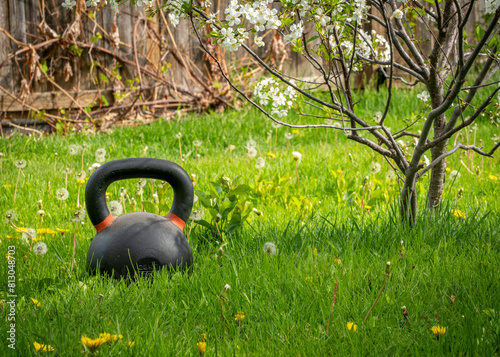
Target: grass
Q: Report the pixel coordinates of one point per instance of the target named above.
(322, 232)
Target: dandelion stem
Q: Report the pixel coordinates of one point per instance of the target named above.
(376, 300)
(78, 196)
(222, 315)
(17, 181)
(297, 173)
(333, 305)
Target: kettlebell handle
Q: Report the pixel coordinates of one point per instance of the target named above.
(95, 191)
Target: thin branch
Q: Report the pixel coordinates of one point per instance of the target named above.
(455, 149)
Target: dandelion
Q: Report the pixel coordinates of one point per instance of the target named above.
(42, 348)
(20, 164)
(100, 155)
(261, 162)
(197, 215)
(92, 344)
(297, 157)
(493, 178)
(202, 347)
(271, 155)
(131, 344)
(457, 213)
(239, 316)
(337, 260)
(115, 208)
(27, 234)
(94, 166)
(10, 216)
(62, 194)
(438, 330)
(55, 163)
(424, 96)
(41, 213)
(309, 279)
(270, 248)
(35, 302)
(351, 326)
(251, 152)
(227, 287)
(375, 167)
(40, 248)
(454, 174)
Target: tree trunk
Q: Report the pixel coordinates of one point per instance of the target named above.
(408, 204)
(438, 172)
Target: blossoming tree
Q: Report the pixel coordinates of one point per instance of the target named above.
(336, 46)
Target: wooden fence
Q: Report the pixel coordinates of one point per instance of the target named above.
(87, 69)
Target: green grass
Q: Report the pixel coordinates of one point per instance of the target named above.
(285, 298)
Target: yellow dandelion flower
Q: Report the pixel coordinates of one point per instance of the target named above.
(309, 279)
(80, 181)
(315, 251)
(295, 131)
(116, 337)
(35, 302)
(368, 207)
(45, 231)
(92, 344)
(108, 193)
(42, 348)
(351, 326)
(457, 213)
(203, 336)
(239, 316)
(448, 169)
(493, 178)
(439, 330)
(487, 245)
(131, 344)
(202, 347)
(337, 260)
(106, 336)
(12, 237)
(339, 171)
(271, 155)
(61, 230)
(7, 186)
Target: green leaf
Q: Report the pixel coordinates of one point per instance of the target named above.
(479, 32)
(149, 207)
(104, 78)
(240, 190)
(205, 224)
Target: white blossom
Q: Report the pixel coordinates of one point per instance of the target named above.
(424, 96)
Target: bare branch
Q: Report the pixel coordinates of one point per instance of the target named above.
(455, 149)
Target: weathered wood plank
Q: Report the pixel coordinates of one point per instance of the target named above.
(6, 78)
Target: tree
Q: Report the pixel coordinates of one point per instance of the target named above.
(336, 46)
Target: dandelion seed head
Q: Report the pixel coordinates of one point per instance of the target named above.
(20, 164)
(141, 183)
(375, 167)
(178, 135)
(81, 175)
(289, 136)
(115, 208)
(40, 212)
(40, 248)
(275, 125)
(25, 237)
(62, 194)
(454, 174)
(74, 149)
(270, 248)
(79, 215)
(261, 162)
(197, 143)
(197, 215)
(251, 152)
(250, 144)
(10, 216)
(297, 156)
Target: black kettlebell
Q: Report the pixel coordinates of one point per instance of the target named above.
(138, 242)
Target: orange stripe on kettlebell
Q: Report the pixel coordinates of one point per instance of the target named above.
(107, 221)
(176, 220)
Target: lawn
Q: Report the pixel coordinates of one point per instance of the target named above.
(332, 219)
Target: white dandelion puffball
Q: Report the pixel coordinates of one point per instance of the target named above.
(375, 167)
(261, 162)
(454, 174)
(25, 238)
(10, 216)
(252, 152)
(270, 248)
(62, 194)
(297, 156)
(20, 164)
(197, 215)
(289, 136)
(115, 208)
(79, 215)
(40, 248)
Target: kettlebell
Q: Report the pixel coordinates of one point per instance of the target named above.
(138, 242)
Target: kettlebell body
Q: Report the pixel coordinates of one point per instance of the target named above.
(138, 242)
